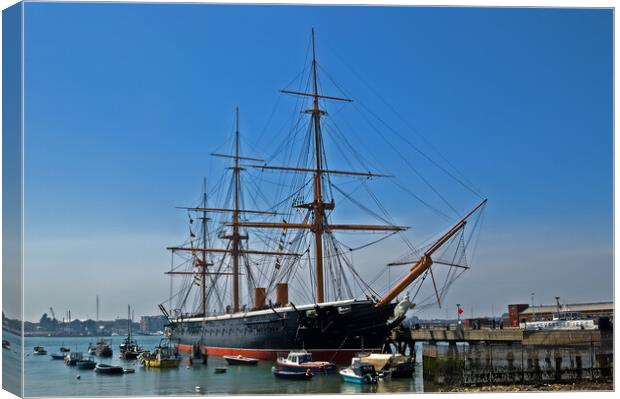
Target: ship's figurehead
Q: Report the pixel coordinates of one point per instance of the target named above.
(403, 306)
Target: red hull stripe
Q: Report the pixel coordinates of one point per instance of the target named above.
(328, 355)
(184, 347)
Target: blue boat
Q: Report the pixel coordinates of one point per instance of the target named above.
(57, 356)
(359, 373)
(86, 363)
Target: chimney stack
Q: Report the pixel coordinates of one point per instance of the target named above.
(260, 295)
(281, 294)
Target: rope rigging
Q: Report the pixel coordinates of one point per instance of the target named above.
(287, 200)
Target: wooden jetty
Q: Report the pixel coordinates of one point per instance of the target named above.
(505, 336)
(508, 356)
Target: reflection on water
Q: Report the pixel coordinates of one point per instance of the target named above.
(46, 377)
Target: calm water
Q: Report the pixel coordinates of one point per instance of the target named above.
(46, 377)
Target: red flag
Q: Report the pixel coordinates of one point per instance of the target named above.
(460, 311)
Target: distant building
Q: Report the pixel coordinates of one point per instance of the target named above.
(152, 323)
(522, 312)
(514, 312)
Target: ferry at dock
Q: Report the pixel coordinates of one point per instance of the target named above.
(565, 320)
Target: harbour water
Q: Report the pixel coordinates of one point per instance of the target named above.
(47, 377)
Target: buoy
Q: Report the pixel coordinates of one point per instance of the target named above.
(197, 389)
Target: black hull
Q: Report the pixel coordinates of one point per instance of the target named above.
(332, 332)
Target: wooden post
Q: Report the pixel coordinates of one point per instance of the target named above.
(579, 367)
(558, 366)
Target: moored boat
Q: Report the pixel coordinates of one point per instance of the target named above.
(63, 348)
(292, 374)
(57, 356)
(165, 355)
(6, 344)
(129, 347)
(104, 351)
(241, 360)
(563, 319)
(72, 358)
(86, 363)
(126, 344)
(101, 349)
(359, 372)
(159, 363)
(130, 354)
(39, 350)
(108, 369)
(302, 360)
(397, 365)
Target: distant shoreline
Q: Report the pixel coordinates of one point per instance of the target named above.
(43, 335)
(46, 335)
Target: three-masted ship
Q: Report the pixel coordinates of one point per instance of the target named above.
(332, 327)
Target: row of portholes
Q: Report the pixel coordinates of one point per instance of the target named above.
(244, 331)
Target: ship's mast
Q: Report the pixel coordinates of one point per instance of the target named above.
(426, 261)
(319, 206)
(235, 249)
(235, 236)
(129, 322)
(203, 279)
(319, 224)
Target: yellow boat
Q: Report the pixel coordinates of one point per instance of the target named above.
(165, 355)
(161, 363)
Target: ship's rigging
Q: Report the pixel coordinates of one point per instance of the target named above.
(289, 237)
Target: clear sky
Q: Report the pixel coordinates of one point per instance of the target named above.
(123, 102)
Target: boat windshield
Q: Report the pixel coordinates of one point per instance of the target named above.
(366, 369)
(305, 358)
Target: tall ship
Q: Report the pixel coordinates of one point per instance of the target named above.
(277, 276)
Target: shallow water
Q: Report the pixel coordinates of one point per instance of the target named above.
(47, 377)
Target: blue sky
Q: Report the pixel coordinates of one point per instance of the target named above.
(123, 102)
